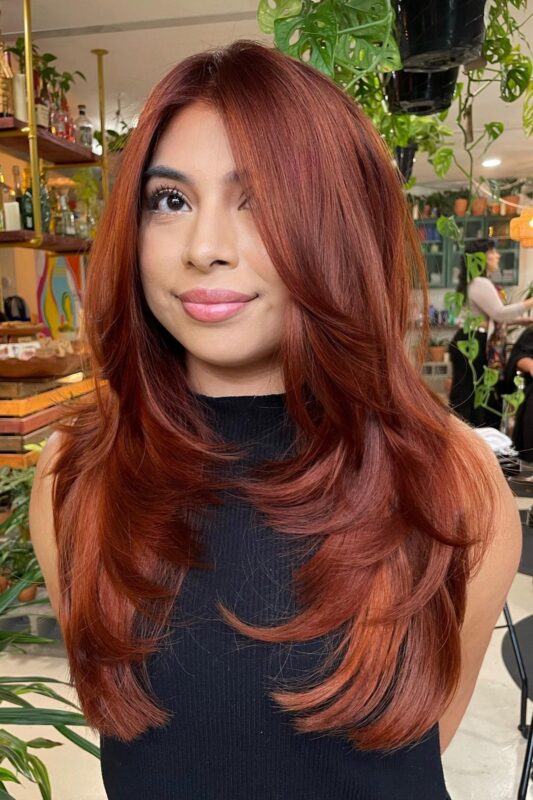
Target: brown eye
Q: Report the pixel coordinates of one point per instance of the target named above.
(166, 200)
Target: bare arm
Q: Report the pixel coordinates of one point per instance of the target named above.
(486, 596)
(525, 365)
(42, 521)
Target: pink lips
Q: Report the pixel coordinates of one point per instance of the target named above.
(213, 305)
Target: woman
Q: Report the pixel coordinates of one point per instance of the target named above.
(521, 359)
(270, 585)
(485, 300)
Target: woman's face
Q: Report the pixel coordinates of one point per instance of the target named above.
(198, 233)
(493, 259)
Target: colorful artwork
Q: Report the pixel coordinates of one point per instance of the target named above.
(59, 292)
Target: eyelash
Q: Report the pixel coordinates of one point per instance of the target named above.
(161, 192)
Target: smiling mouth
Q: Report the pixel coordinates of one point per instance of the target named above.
(214, 312)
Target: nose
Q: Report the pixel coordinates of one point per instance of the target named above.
(210, 239)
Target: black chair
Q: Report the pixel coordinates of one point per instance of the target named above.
(525, 729)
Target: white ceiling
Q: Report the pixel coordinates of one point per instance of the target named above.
(145, 39)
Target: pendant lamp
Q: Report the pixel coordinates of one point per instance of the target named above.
(521, 228)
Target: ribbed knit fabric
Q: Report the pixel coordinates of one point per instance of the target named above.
(228, 740)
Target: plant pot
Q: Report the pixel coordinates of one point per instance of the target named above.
(510, 209)
(436, 353)
(5, 513)
(494, 208)
(420, 93)
(27, 594)
(434, 35)
(4, 583)
(405, 157)
(20, 102)
(460, 206)
(479, 206)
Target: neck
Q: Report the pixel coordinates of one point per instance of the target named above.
(208, 380)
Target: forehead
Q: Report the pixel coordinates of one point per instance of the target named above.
(195, 140)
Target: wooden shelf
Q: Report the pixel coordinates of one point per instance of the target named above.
(51, 147)
(18, 460)
(56, 244)
(30, 405)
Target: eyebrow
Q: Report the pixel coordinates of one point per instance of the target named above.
(162, 171)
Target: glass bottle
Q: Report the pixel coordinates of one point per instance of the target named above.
(16, 184)
(60, 118)
(68, 223)
(6, 84)
(69, 124)
(26, 203)
(83, 128)
(42, 111)
(45, 204)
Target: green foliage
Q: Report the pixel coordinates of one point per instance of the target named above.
(502, 49)
(18, 760)
(453, 302)
(442, 161)
(469, 348)
(527, 112)
(354, 44)
(448, 228)
(475, 264)
(342, 40)
(115, 141)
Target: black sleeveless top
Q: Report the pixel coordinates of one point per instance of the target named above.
(227, 739)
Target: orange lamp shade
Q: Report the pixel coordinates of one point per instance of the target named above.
(521, 228)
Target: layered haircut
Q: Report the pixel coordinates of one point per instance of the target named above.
(377, 483)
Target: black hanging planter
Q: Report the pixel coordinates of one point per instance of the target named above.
(420, 92)
(405, 157)
(439, 34)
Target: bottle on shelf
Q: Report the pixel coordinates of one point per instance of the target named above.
(45, 204)
(83, 128)
(17, 187)
(10, 216)
(59, 122)
(42, 110)
(6, 84)
(68, 223)
(26, 202)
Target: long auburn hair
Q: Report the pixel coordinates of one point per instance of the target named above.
(381, 472)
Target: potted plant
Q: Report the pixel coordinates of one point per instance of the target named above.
(434, 35)
(461, 203)
(420, 93)
(17, 559)
(479, 205)
(437, 349)
(405, 157)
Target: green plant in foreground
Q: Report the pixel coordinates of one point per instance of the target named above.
(17, 759)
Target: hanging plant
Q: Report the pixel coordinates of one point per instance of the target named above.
(434, 35)
(355, 45)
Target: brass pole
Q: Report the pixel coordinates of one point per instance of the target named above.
(32, 125)
(100, 53)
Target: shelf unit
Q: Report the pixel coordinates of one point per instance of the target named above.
(442, 256)
(38, 145)
(51, 243)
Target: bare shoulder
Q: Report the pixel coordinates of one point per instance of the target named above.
(42, 518)
(490, 583)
